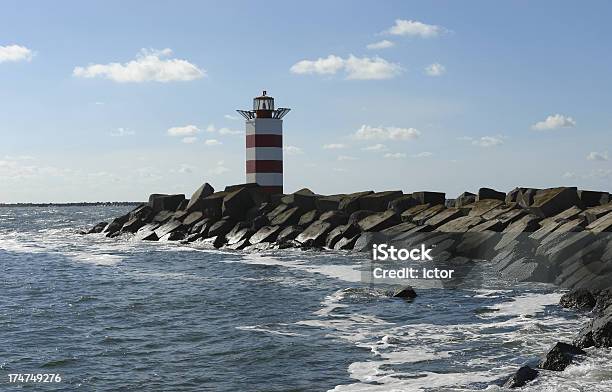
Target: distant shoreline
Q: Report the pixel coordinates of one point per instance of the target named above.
(77, 204)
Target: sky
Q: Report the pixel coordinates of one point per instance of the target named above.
(114, 100)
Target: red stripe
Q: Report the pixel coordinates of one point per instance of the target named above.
(264, 141)
(272, 189)
(261, 166)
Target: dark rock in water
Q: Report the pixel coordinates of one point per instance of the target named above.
(221, 228)
(288, 233)
(309, 217)
(161, 202)
(580, 299)
(346, 243)
(549, 202)
(488, 193)
(315, 234)
(147, 232)
(163, 216)
(98, 228)
(288, 217)
(521, 377)
(350, 203)
(237, 235)
(213, 204)
(143, 212)
(592, 198)
(196, 201)
(431, 198)
(169, 227)
(464, 199)
(334, 217)
(365, 241)
(116, 225)
(259, 222)
(236, 204)
(356, 216)
(405, 292)
(176, 235)
(193, 218)
(133, 225)
(598, 332)
(603, 300)
(560, 356)
(348, 230)
(380, 221)
(329, 203)
(379, 201)
(402, 203)
(265, 234)
(243, 243)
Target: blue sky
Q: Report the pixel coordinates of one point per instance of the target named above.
(115, 100)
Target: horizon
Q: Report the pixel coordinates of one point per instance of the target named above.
(400, 95)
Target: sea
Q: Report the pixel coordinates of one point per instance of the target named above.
(125, 315)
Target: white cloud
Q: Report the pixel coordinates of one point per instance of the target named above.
(186, 169)
(424, 154)
(553, 122)
(149, 65)
(230, 117)
(414, 28)
(597, 156)
(375, 147)
(189, 139)
(227, 131)
(212, 142)
(435, 69)
(488, 141)
(384, 44)
(334, 146)
(396, 155)
(219, 168)
(122, 132)
(15, 53)
(187, 130)
(293, 150)
(356, 68)
(346, 158)
(367, 132)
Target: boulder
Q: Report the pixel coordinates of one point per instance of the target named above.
(592, 214)
(350, 203)
(259, 222)
(202, 226)
(410, 213)
(193, 218)
(380, 221)
(288, 233)
(603, 300)
(431, 198)
(603, 224)
(213, 204)
(405, 292)
(425, 215)
(176, 235)
(304, 198)
(236, 204)
(239, 233)
(560, 356)
(460, 225)
(238, 245)
(169, 227)
(512, 196)
(334, 217)
(488, 193)
(359, 215)
(288, 217)
(265, 234)
(402, 203)
(147, 232)
(133, 225)
(481, 207)
(258, 210)
(494, 225)
(597, 333)
(309, 217)
(328, 203)
(526, 196)
(257, 193)
(143, 212)
(549, 202)
(161, 202)
(365, 241)
(521, 377)
(315, 234)
(348, 230)
(443, 217)
(195, 203)
(277, 211)
(398, 229)
(115, 226)
(221, 228)
(163, 216)
(378, 201)
(346, 243)
(98, 228)
(580, 299)
(592, 198)
(464, 199)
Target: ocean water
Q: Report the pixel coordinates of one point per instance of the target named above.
(121, 315)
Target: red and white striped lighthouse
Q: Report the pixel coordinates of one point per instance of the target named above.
(264, 143)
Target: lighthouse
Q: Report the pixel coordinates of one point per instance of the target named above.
(264, 143)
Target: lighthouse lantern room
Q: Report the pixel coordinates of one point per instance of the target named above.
(264, 143)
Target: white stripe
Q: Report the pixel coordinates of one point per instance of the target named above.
(266, 179)
(264, 126)
(264, 153)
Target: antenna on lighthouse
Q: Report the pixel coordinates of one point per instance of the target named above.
(264, 143)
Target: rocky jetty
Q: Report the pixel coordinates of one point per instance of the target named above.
(556, 235)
